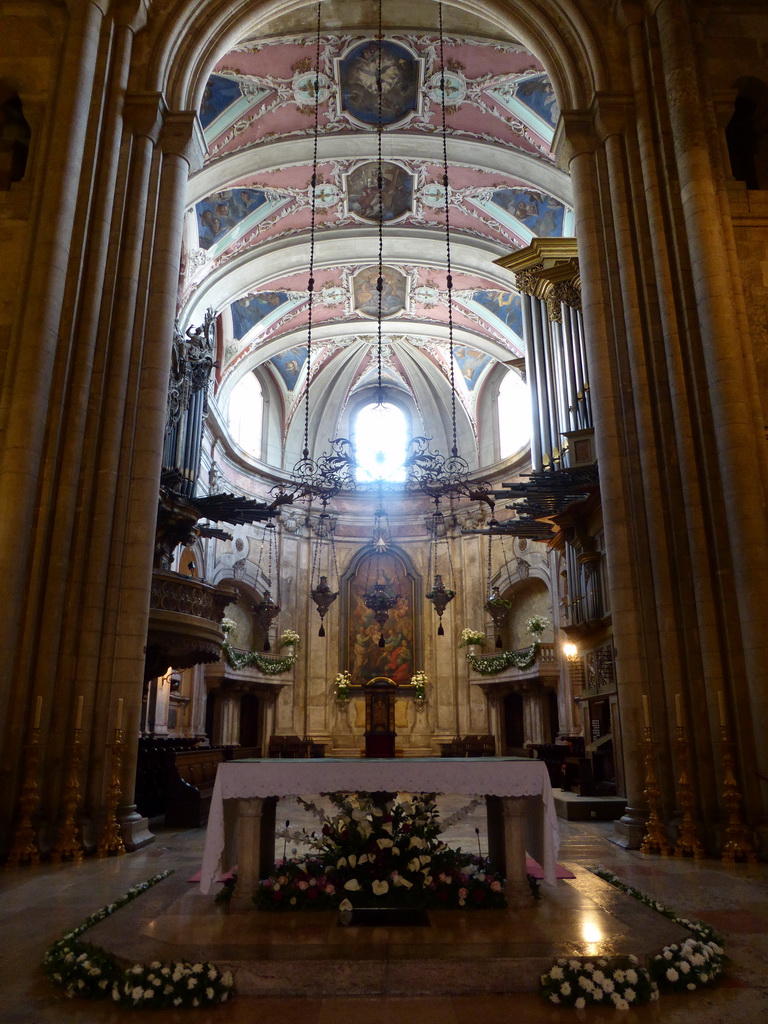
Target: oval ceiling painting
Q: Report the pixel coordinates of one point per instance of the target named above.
(400, 78)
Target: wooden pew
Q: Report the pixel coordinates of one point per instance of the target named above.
(189, 786)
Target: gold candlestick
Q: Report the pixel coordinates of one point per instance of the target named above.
(688, 840)
(655, 840)
(68, 844)
(738, 841)
(25, 849)
(111, 841)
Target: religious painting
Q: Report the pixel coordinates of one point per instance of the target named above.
(400, 74)
(289, 365)
(365, 658)
(539, 212)
(537, 94)
(505, 306)
(471, 364)
(251, 309)
(219, 94)
(366, 295)
(363, 191)
(219, 213)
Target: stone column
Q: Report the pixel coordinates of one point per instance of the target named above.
(584, 164)
(25, 416)
(741, 457)
(182, 147)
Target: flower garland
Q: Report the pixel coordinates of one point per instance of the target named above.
(620, 980)
(82, 969)
(386, 855)
(491, 664)
(702, 931)
(270, 665)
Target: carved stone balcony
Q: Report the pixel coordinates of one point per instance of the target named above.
(184, 623)
(543, 674)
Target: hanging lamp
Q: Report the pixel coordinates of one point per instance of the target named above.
(324, 565)
(266, 610)
(379, 596)
(496, 605)
(440, 595)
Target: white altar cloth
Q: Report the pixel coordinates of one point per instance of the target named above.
(487, 776)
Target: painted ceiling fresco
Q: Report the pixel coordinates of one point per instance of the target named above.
(251, 206)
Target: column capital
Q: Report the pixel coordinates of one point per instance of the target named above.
(182, 136)
(144, 113)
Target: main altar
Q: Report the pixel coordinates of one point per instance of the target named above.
(520, 806)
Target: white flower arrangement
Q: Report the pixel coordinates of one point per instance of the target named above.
(688, 965)
(229, 628)
(289, 638)
(419, 682)
(619, 981)
(341, 684)
(85, 970)
(537, 624)
(471, 637)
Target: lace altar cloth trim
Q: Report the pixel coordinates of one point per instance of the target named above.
(498, 776)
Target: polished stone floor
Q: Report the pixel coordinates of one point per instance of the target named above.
(310, 956)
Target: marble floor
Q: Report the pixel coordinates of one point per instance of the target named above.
(581, 915)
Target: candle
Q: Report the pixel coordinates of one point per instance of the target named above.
(721, 707)
(646, 712)
(119, 722)
(79, 715)
(679, 709)
(38, 711)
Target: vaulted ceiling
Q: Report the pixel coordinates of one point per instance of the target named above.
(250, 209)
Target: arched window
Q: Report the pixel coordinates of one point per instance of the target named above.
(514, 411)
(245, 414)
(381, 434)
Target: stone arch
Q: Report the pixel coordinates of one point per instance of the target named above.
(180, 58)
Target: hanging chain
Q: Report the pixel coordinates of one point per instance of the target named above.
(449, 275)
(271, 552)
(488, 572)
(261, 550)
(313, 204)
(380, 189)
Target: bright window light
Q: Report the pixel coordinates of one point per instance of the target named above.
(245, 411)
(514, 414)
(380, 439)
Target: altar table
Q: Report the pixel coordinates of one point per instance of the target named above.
(521, 809)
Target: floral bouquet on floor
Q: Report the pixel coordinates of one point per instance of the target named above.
(374, 853)
(688, 966)
(619, 982)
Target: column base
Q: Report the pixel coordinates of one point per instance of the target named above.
(627, 835)
(135, 832)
